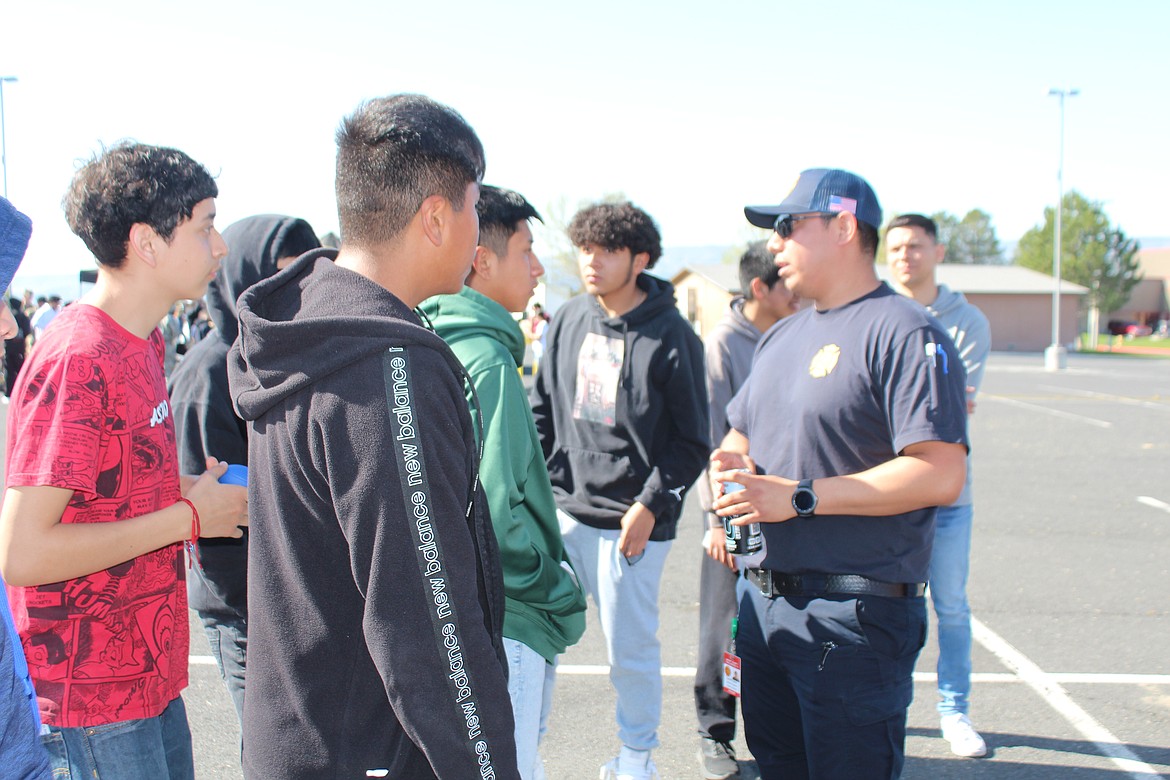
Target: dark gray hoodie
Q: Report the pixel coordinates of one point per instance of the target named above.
(374, 591)
(729, 348)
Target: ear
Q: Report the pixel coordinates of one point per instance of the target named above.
(641, 260)
(433, 216)
(758, 289)
(142, 243)
(484, 263)
(846, 227)
(940, 252)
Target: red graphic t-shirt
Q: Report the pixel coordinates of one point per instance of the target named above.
(90, 413)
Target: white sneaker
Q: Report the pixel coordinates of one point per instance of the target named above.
(630, 764)
(965, 740)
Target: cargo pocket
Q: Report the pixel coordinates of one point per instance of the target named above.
(866, 707)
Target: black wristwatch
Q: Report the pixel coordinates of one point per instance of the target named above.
(804, 499)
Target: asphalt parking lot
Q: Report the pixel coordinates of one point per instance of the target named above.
(1070, 588)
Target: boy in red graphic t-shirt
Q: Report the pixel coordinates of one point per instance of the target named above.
(95, 511)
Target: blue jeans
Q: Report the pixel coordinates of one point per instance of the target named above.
(627, 603)
(530, 687)
(949, 565)
(155, 748)
(228, 638)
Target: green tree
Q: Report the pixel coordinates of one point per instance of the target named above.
(948, 226)
(1093, 253)
(969, 241)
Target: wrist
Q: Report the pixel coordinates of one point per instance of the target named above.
(805, 499)
(196, 531)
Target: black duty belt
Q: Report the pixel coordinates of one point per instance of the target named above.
(778, 583)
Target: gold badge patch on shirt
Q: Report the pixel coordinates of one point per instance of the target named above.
(824, 361)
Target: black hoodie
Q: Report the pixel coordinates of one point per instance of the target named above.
(205, 423)
(374, 591)
(620, 404)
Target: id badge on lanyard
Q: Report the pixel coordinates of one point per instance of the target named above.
(732, 682)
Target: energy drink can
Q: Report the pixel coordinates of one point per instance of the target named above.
(741, 539)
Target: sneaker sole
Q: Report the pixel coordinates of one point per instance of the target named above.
(708, 775)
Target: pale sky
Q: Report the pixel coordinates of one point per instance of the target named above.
(691, 109)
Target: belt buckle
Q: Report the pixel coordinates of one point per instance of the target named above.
(765, 583)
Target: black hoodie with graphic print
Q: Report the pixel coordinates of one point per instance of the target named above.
(375, 595)
(620, 405)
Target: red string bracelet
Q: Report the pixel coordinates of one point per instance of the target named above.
(192, 544)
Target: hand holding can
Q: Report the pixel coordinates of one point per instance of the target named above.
(741, 539)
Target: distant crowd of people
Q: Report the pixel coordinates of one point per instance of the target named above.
(182, 327)
(389, 540)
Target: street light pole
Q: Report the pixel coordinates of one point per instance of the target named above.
(3, 139)
(1056, 357)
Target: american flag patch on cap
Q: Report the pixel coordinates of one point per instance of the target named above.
(837, 203)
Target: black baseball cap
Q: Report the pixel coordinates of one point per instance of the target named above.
(826, 191)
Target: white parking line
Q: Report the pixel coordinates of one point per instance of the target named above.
(1122, 399)
(601, 670)
(1050, 690)
(1071, 678)
(1155, 503)
(1046, 410)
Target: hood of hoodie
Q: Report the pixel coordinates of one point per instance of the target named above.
(254, 246)
(659, 296)
(468, 314)
(735, 319)
(947, 301)
(308, 321)
(15, 230)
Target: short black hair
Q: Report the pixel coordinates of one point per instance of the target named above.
(757, 263)
(128, 184)
(392, 154)
(914, 221)
(867, 234)
(500, 213)
(617, 226)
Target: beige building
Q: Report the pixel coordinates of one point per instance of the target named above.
(1149, 302)
(1016, 301)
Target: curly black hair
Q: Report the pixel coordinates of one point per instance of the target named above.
(392, 154)
(617, 226)
(132, 183)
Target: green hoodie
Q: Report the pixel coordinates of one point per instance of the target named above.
(544, 607)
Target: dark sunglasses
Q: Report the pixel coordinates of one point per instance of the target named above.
(784, 223)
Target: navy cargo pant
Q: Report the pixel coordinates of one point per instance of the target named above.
(826, 683)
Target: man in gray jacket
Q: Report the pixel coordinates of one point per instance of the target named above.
(729, 348)
(913, 253)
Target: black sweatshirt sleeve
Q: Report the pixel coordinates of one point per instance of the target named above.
(680, 459)
(403, 512)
